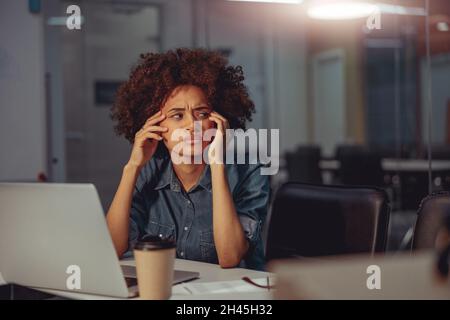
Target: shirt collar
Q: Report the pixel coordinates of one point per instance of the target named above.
(168, 177)
(205, 179)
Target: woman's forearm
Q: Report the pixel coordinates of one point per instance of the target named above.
(229, 238)
(119, 211)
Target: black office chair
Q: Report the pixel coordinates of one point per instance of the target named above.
(303, 164)
(430, 217)
(439, 152)
(359, 166)
(402, 151)
(311, 221)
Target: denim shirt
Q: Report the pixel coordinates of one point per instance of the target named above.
(161, 207)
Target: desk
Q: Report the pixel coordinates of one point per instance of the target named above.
(414, 165)
(393, 165)
(208, 273)
(409, 178)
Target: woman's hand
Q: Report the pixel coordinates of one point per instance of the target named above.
(218, 145)
(146, 141)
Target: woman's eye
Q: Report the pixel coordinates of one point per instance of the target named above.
(177, 116)
(203, 114)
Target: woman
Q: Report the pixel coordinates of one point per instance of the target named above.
(213, 210)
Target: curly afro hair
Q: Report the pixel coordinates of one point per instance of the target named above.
(156, 75)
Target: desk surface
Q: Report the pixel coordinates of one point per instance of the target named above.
(415, 165)
(208, 273)
(403, 276)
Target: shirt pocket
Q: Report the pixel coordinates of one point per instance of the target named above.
(207, 247)
(161, 230)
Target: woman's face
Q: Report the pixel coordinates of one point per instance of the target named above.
(185, 105)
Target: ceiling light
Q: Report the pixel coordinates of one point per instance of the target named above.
(443, 26)
(271, 1)
(341, 10)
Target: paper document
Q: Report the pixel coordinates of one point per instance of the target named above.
(222, 287)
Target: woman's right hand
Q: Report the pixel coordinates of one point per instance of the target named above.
(146, 140)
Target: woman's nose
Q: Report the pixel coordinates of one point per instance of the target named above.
(190, 122)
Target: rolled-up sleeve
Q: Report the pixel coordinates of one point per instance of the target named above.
(251, 203)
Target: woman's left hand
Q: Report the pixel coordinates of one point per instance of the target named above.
(217, 146)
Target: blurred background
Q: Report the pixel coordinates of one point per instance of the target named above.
(361, 96)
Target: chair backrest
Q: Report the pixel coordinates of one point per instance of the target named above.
(359, 166)
(441, 152)
(311, 221)
(402, 151)
(430, 218)
(303, 164)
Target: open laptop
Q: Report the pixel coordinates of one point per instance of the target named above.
(55, 236)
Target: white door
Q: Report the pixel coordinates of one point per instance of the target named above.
(329, 100)
(440, 79)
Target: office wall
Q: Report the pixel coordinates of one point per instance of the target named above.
(22, 93)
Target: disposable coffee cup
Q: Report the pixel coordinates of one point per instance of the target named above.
(155, 258)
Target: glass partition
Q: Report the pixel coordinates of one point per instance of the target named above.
(358, 99)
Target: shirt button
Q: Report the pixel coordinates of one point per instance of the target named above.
(181, 253)
(188, 202)
(185, 228)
